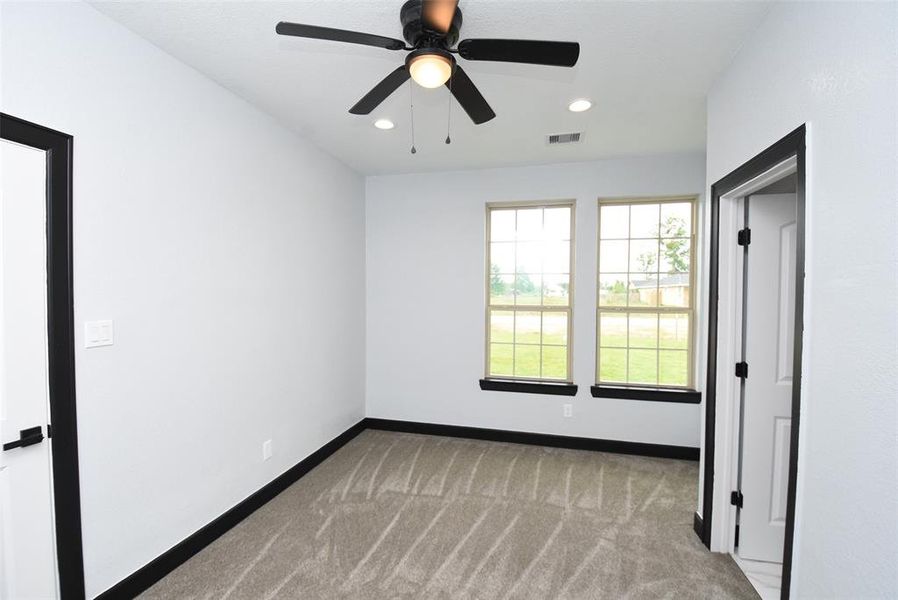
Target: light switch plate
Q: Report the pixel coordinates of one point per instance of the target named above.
(98, 333)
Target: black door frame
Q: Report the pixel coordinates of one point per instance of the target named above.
(61, 351)
(791, 145)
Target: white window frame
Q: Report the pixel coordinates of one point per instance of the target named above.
(541, 308)
(690, 310)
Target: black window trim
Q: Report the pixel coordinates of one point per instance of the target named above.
(652, 394)
(560, 388)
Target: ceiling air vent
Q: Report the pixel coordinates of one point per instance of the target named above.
(563, 138)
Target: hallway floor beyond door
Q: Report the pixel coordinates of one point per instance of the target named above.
(395, 515)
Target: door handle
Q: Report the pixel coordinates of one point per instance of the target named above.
(27, 437)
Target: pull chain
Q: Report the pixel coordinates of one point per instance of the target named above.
(449, 116)
(411, 111)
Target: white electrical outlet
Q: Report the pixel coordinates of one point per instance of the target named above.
(266, 449)
(568, 410)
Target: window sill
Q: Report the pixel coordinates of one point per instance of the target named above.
(650, 394)
(529, 387)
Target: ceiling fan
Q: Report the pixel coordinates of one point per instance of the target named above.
(431, 28)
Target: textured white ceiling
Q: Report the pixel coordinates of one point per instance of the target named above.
(646, 65)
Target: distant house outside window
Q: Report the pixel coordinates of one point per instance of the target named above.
(528, 281)
(646, 292)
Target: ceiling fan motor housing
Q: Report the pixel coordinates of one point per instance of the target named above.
(417, 34)
(411, 56)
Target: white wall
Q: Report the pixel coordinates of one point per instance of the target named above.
(834, 67)
(230, 254)
(425, 298)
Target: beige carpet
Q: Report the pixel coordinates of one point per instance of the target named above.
(394, 515)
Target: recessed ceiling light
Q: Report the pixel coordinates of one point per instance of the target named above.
(579, 105)
(384, 124)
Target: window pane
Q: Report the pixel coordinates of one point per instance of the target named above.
(643, 290)
(502, 225)
(527, 328)
(673, 290)
(526, 361)
(528, 289)
(643, 330)
(501, 359)
(529, 257)
(613, 257)
(675, 255)
(554, 328)
(674, 331)
(643, 366)
(557, 223)
(555, 362)
(612, 290)
(555, 290)
(529, 268)
(502, 326)
(530, 224)
(615, 222)
(644, 219)
(676, 219)
(557, 257)
(501, 289)
(645, 264)
(613, 329)
(644, 256)
(612, 365)
(502, 257)
(673, 367)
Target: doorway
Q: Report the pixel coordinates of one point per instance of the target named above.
(753, 388)
(766, 344)
(40, 515)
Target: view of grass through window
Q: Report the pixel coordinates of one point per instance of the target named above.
(528, 317)
(645, 288)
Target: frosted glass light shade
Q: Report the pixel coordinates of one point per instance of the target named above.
(430, 70)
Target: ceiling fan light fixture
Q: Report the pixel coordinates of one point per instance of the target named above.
(384, 124)
(430, 69)
(580, 105)
(430, 29)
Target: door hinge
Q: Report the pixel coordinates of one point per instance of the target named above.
(742, 370)
(736, 541)
(744, 237)
(736, 498)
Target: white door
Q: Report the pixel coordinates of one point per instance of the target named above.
(770, 305)
(27, 541)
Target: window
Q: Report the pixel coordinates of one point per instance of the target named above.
(528, 317)
(646, 292)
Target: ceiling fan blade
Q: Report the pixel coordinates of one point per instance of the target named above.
(381, 91)
(535, 52)
(469, 97)
(338, 35)
(438, 14)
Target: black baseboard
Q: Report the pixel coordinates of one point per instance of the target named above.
(698, 526)
(146, 576)
(536, 439)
